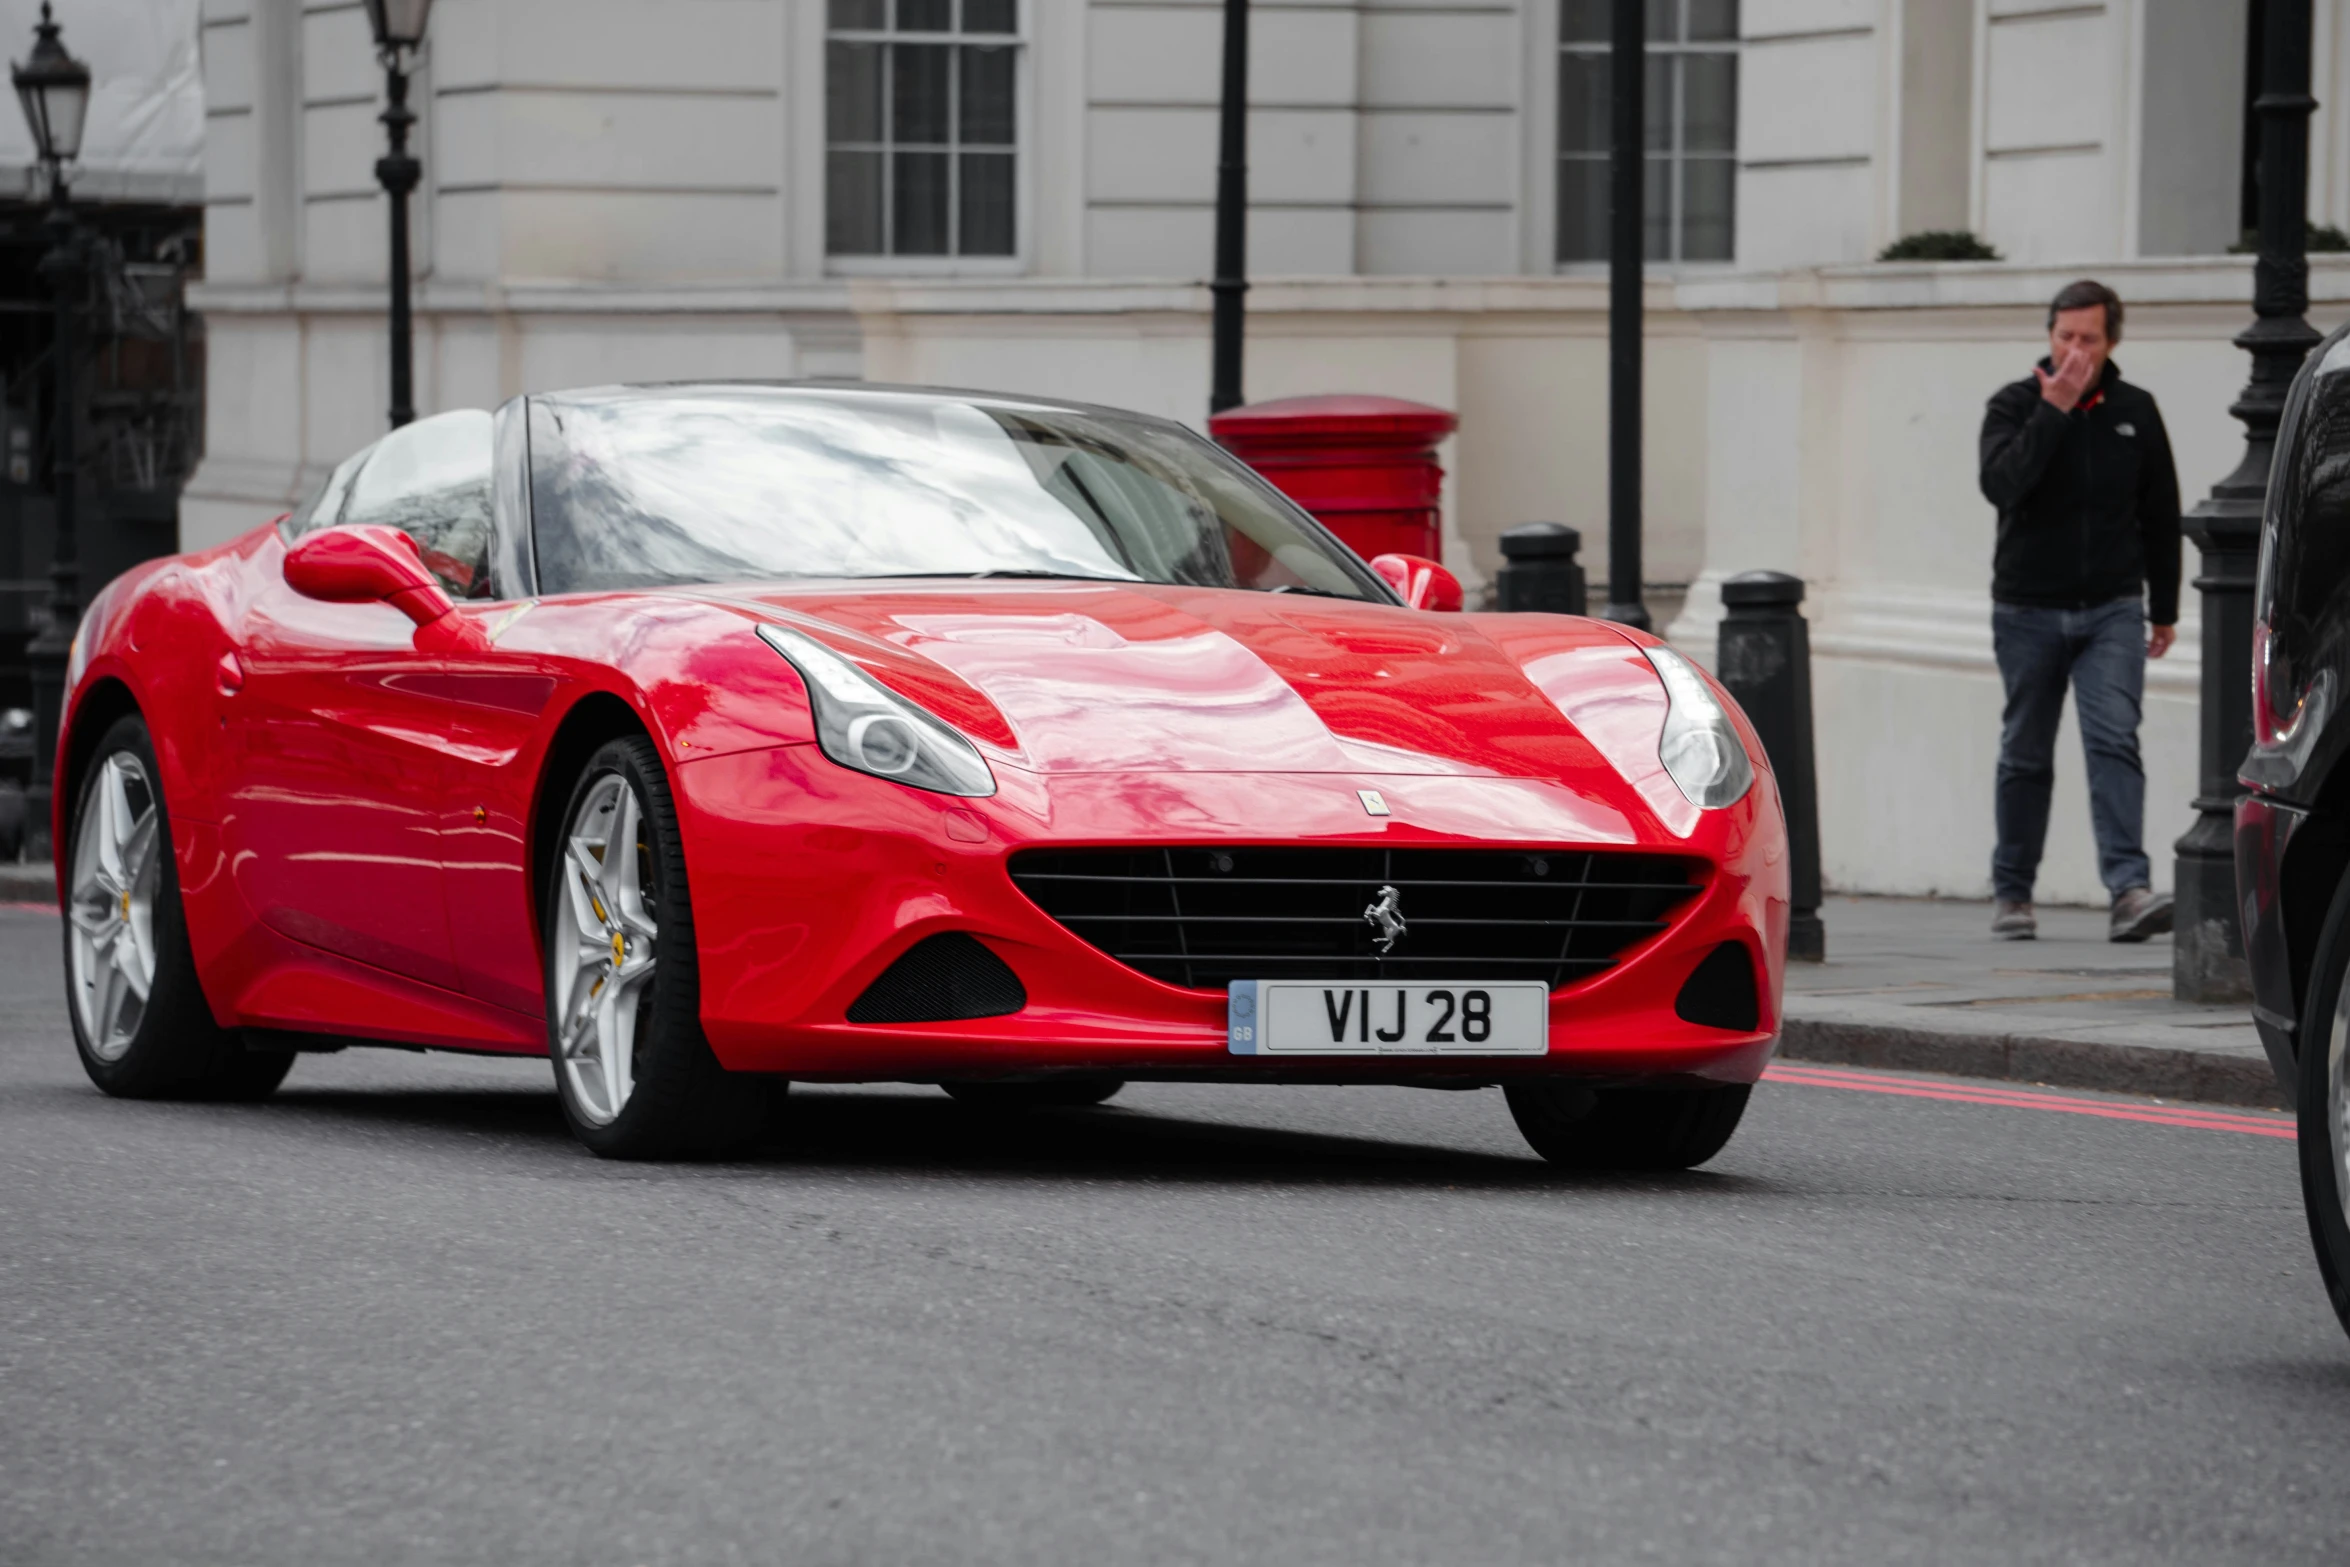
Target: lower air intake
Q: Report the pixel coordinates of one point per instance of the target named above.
(1720, 992)
(941, 979)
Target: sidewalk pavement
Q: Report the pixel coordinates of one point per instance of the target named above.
(1919, 984)
(27, 883)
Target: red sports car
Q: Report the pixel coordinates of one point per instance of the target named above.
(704, 737)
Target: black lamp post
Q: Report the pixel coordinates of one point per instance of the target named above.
(399, 28)
(1231, 279)
(1627, 238)
(54, 89)
(2207, 954)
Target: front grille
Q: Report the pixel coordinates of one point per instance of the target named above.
(1202, 918)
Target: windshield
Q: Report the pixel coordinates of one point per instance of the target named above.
(641, 487)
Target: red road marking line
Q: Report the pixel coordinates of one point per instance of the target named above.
(42, 908)
(2005, 1094)
(1867, 1079)
(2025, 1099)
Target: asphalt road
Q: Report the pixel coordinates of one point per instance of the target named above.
(395, 1315)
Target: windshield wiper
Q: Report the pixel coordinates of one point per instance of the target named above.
(1320, 593)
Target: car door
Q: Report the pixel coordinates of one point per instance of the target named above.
(342, 773)
(497, 690)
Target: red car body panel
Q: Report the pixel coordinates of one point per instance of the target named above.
(353, 816)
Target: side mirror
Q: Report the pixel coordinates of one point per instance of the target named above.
(1420, 582)
(366, 564)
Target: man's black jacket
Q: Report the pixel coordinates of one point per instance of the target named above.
(2088, 501)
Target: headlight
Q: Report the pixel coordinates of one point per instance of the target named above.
(864, 725)
(1699, 747)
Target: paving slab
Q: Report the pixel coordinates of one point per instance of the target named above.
(33, 883)
(1918, 983)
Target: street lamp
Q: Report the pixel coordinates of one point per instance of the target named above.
(399, 28)
(2207, 953)
(1626, 320)
(54, 90)
(1231, 279)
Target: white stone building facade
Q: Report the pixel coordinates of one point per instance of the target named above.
(1017, 194)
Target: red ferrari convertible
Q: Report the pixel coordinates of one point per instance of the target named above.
(704, 737)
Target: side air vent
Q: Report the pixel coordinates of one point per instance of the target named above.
(1720, 992)
(941, 979)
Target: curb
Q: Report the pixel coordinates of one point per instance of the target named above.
(2202, 1077)
(31, 883)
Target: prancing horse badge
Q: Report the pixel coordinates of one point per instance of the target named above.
(1385, 915)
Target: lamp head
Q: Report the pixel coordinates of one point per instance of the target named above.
(54, 90)
(398, 24)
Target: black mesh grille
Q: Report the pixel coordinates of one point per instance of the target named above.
(1720, 992)
(1202, 918)
(941, 979)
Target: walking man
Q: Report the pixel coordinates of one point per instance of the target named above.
(2085, 589)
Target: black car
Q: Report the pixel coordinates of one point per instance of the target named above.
(2293, 829)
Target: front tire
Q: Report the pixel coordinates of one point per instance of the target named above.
(2324, 1100)
(1627, 1128)
(632, 1066)
(140, 1021)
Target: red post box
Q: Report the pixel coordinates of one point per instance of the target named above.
(1366, 466)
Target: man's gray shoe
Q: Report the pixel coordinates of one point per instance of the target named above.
(2139, 913)
(2013, 922)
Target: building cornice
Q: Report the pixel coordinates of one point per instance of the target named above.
(526, 296)
(1988, 286)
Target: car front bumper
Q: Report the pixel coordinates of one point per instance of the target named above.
(809, 880)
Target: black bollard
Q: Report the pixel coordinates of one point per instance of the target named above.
(1764, 657)
(1539, 570)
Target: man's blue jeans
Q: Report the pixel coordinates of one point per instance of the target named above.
(2102, 653)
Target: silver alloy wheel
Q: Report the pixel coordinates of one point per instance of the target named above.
(2338, 1094)
(117, 867)
(603, 965)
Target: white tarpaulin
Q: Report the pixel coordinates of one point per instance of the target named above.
(145, 138)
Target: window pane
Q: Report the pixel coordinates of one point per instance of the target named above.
(918, 92)
(918, 206)
(1656, 106)
(1709, 103)
(1584, 21)
(1593, 21)
(852, 203)
(1711, 20)
(991, 16)
(987, 204)
(852, 91)
(987, 96)
(1582, 216)
(1583, 103)
(925, 16)
(859, 14)
(1657, 214)
(1708, 194)
(432, 479)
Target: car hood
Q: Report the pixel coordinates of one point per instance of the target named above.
(1094, 677)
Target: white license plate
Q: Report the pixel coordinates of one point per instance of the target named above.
(1294, 1017)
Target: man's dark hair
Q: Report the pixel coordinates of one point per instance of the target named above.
(2080, 296)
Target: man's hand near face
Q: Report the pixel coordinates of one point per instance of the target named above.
(2159, 639)
(2074, 371)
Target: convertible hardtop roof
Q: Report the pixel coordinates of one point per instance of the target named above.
(653, 390)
